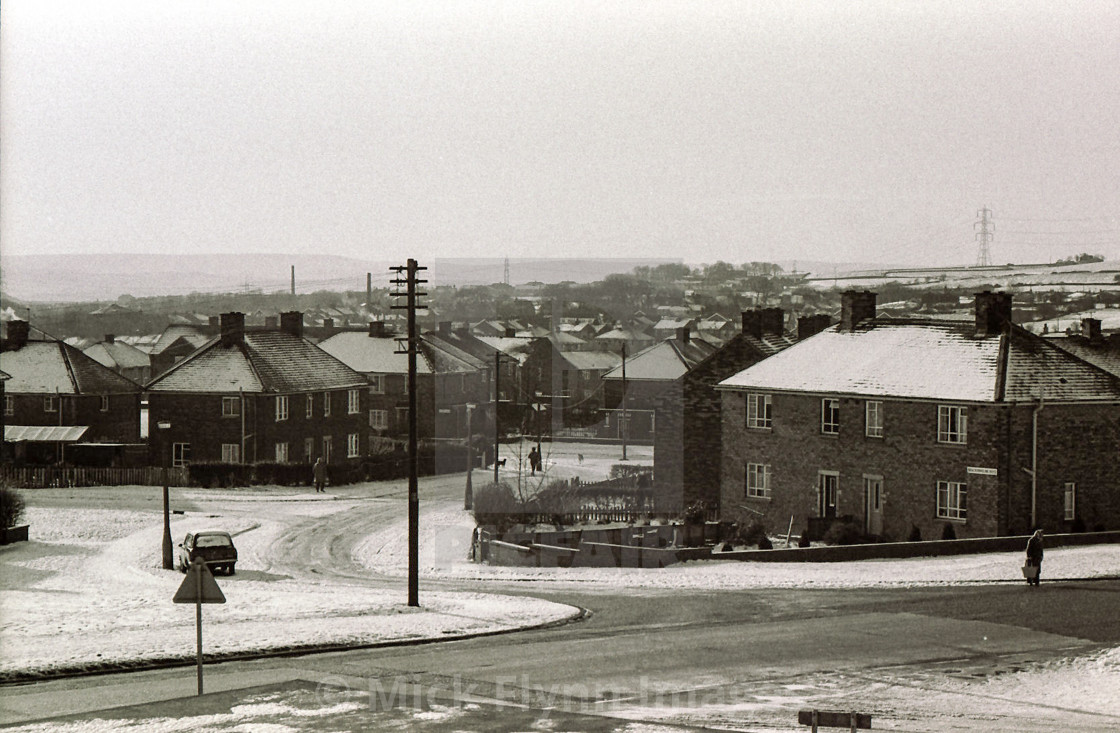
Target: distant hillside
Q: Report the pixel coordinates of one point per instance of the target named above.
(84, 278)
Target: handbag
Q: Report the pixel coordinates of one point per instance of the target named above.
(1030, 572)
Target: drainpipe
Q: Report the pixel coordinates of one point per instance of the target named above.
(1034, 462)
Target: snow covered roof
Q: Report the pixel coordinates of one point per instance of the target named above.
(370, 355)
(929, 360)
(664, 361)
(117, 354)
(43, 367)
(593, 360)
(265, 361)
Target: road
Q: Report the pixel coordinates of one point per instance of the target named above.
(738, 659)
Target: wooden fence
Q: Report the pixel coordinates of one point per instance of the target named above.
(44, 477)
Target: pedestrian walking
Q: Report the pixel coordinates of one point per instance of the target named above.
(320, 472)
(534, 461)
(1033, 568)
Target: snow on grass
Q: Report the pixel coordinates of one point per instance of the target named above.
(89, 590)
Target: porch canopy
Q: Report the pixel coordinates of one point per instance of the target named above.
(44, 433)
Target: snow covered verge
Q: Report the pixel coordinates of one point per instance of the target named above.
(89, 592)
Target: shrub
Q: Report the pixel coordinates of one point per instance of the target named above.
(11, 507)
(948, 532)
(695, 513)
(559, 500)
(752, 534)
(495, 505)
(844, 533)
(765, 543)
(915, 534)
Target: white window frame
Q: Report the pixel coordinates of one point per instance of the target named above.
(328, 448)
(377, 384)
(760, 408)
(231, 453)
(830, 416)
(309, 449)
(757, 481)
(1070, 501)
(104, 403)
(354, 445)
(180, 455)
(952, 500)
(353, 402)
(231, 407)
(310, 410)
(326, 404)
(379, 419)
(50, 403)
(9, 405)
(281, 407)
(402, 418)
(952, 424)
(281, 452)
(873, 419)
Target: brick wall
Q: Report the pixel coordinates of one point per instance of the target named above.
(119, 424)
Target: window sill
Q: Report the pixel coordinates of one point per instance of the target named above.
(766, 499)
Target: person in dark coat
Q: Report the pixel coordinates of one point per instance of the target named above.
(320, 472)
(1034, 555)
(534, 461)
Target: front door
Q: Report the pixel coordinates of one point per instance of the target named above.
(873, 505)
(828, 490)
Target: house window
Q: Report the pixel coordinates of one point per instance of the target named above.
(952, 424)
(327, 444)
(281, 452)
(180, 454)
(50, 403)
(828, 491)
(1071, 501)
(402, 419)
(353, 445)
(874, 419)
(231, 453)
(326, 404)
(759, 411)
(830, 416)
(310, 406)
(377, 384)
(353, 402)
(309, 449)
(379, 419)
(951, 497)
(104, 403)
(9, 405)
(231, 406)
(758, 481)
(281, 407)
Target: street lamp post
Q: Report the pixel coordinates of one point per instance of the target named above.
(164, 427)
(468, 496)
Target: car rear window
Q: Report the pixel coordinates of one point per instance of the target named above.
(212, 540)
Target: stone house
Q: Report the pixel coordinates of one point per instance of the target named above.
(898, 424)
(259, 395)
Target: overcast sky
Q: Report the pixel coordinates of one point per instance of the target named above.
(701, 130)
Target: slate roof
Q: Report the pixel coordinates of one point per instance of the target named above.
(171, 334)
(41, 367)
(117, 354)
(265, 361)
(371, 355)
(664, 361)
(935, 360)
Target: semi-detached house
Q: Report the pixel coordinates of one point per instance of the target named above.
(259, 395)
(979, 424)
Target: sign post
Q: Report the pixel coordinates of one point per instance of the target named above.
(199, 587)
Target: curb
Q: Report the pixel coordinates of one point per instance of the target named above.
(14, 679)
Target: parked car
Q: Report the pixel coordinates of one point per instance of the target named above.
(213, 548)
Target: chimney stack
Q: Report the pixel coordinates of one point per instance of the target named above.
(328, 323)
(683, 335)
(812, 325)
(233, 328)
(291, 322)
(214, 324)
(511, 332)
(111, 338)
(773, 321)
(752, 323)
(856, 307)
(377, 329)
(1091, 329)
(17, 334)
(270, 322)
(444, 328)
(993, 312)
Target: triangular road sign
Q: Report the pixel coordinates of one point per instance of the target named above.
(199, 587)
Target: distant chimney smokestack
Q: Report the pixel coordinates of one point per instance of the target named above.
(291, 322)
(1091, 329)
(110, 338)
(856, 307)
(993, 312)
(377, 329)
(233, 328)
(812, 325)
(293, 279)
(17, 334)
(369, 290)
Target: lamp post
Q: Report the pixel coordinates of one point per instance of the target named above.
(165, 426)
(468, 496)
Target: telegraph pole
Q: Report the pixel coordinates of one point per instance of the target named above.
(412, 346)
(497, 429)
(624, 428)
